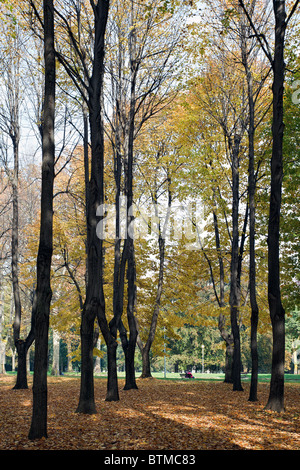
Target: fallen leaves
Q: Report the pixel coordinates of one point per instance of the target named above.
(160, 415)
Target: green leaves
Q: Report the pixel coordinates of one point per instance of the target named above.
(168, 6)
(229, 14)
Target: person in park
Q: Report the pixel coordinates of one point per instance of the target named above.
(189, 375)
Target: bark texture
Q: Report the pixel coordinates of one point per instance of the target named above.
(277, 313)
(251, 191)
(234, 279)
(94, 305)
(43, 295)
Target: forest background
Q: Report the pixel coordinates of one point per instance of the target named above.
(175, 86)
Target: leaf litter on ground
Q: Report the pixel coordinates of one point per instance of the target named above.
(160, 415)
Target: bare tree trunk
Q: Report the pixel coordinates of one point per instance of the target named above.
(277, 313)
(252, 274)
(234, 285)
(127, 256)
(129, 343)
(69, 349)
(251, 191)
(145, 350)
(21, 345)
(2, 343)
(129, 350)
(13, 130)
(227, 337)
(55, 361)
(43, 296)
(97, 367)
(94, 306)
(146, 372)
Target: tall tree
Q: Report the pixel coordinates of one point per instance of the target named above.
(10, 126)
(94, 305)
(236, 32)
(229, 111)
(15, 137)
(160, 186)
(251, 191)
(277, 313)
(85, 67)
(137, 92)
(43, 294)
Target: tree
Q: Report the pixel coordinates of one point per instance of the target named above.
(147, 38)
(165, 160)
(69, 264)
(87, 77)
(249, 52)
(43, 293)
(94, 306)
(290, 244)
(228, 110)
(10, 126)
(277, 312)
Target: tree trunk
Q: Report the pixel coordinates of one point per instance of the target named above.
(21, 381)
(234, 285)
(227, 337)
(55, 361)
(229, 360)
(38, 427)
(129, 351)
(277, 313)
(251, 192)
(252, 263)
(2, 343)
(86, 403)
(130, 380)
(146, 370)
(130, 344)
(14, 132)
(94, 306)
(2, 357)
(145, 350)
(112, 393)
(20, 345)
(126, 257)
(109, 335)
(69, 353)
(97, 367)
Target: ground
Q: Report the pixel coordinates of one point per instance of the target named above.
(160, 415)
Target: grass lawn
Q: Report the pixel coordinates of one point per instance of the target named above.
(289, 378)
(262, 378)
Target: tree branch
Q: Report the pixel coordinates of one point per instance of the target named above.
(292, 11)
(258, 36)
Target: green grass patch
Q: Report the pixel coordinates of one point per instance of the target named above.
(262, 378)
